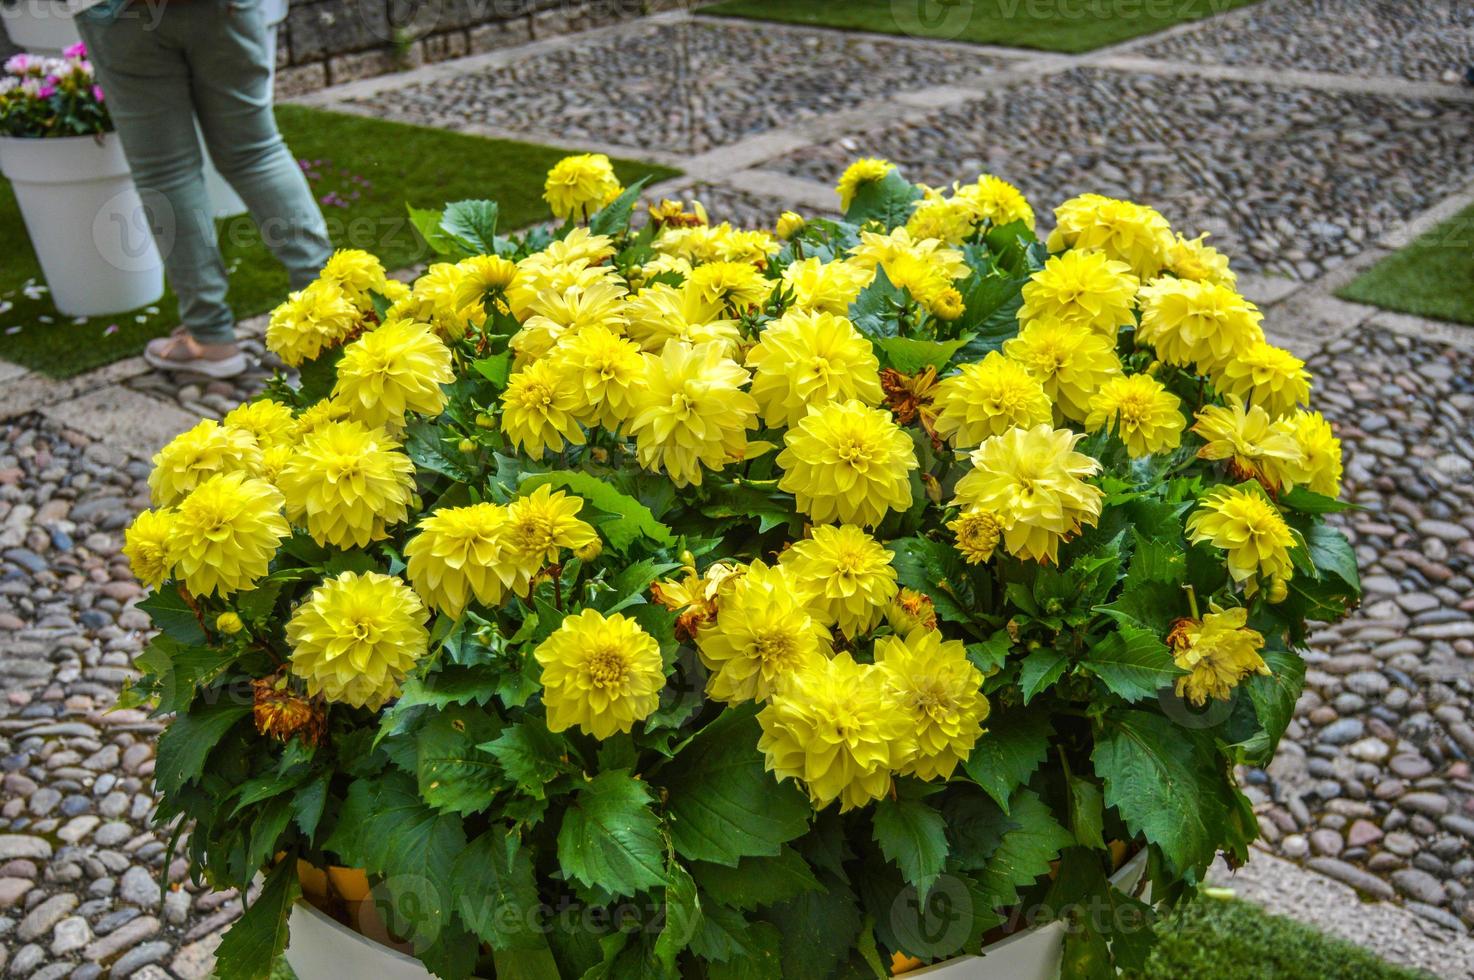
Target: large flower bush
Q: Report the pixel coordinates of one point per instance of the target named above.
(699, 601)
(42, 97)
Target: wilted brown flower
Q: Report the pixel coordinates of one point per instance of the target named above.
(283, 713)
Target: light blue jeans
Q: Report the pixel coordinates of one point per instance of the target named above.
(161, 66)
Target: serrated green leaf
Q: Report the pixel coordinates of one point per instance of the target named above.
(1150, 606)
(909, 356)
(913, 835)
(1309, 502)
(169, 611)
(819, 929)
(1156, 560)
(990, 655)
(530, 755)
(1134, 663)
(1087, 812)
(1274, 696)
(888, 201)
(427, 223)
(496, 368)
(936, 570)
(757, 881)
(1332, 554)
(473, 223)
(1008, 752)
(876, 309)
(427, 452)
(610, 838)
(734, 949)
(454, 775)
(627, 519)
(1025, 851)
(250, 947)
(495, 891)
(189, 739)
(682, 917)
(1040, 669)
(975, 827)
(614, 217)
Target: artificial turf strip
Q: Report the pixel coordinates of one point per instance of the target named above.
(1433, 276)
(372, 166)
(1069, 26)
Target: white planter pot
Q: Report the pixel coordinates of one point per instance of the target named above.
(86, 222)
(320, 948)
(39, 26)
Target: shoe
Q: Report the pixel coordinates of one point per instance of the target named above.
(181, 352)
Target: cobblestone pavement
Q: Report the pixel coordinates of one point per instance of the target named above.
(1225, 125)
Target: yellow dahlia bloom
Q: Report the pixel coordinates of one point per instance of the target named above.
(762, 634)
(1321, 471)
(480, 276)
(996, 201)
(393, 370)
(845, 575)
(836, 729)
(866, 170)
(977, 534)
(347, 484)
(849, 463)
(1193, 258)
(1198, 324)
(828, 287)
(579, 245)
(950, 219)
(692, 412)
(789, 223)
(225, 533)
(599, 673)
(1247, 525)
(540, 409)
(310, 321)
(911, 610)
(1264, 375)
(581, 184)
(661, 312)
(599, 304)
(720, 243)
(1131, 233)
(607, 372)
(453, 559)
(805, 359)
(318, 414)
(1140, 411)
(886, 248)
(357, 273)
(927, 282)
(539, 528)
(197, 454)
(274, 460)
(1256, 447)
(538, 275)
(269, 422)
(1217, 652)
(735, 285)
(146, 543)
(1072, 363)
(939, 692)
(694, 594)
(439, 298)
(1082, 289)
(989, 397)
(1033, 483)
(357, 637)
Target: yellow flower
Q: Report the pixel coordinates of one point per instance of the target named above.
(1131, 233)
(1322, 451)
(948, 304)
(1256, 447)
(274, 460)
(761, 635)
(598, 304)
(848, 463)
(1072, 363)
(229, 623)
(539, 528)
(989, 397)
(357, 273)
(866, 170)
(1197, 323)
(146, 543)
(735, 285)
(1193, 258)
(1218, 653)
(357, 637)
(926, 281)
(197, 454)
(607, 372)
(789, 224)
(540, 409)
(926, 262)
(439, 298)
(1244, 523)
(348, 483)
(977, 533)
(318, 414)
(838, 730)
(939, 692)
(310, 321)
(1267, 376)
(950, 219)
(692, 412)
(694, 595)
(828, 287)
(1033, 483)
(581, 184)
(661, 312)
(480, 275)
(1082, 289)
(600, 673)
(225, 533)
(996, 201)
(804, 359)
(1141, 412)
(393, 370)
(846, 576)
(579, 245)
(700, 243)
(453, 559)
(269, 422)
(538, 275)
(911, 610)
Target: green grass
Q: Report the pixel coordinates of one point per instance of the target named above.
(1070, 26)
(1433, 276)
(385, 163)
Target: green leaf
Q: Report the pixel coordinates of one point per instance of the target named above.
(1040, 669)
(975, 826)
(495, 891)
(1007, 754)
(1025, 851)
(1308, 502)
(385, 828)
(251, 946)
(1150, 606)
(427, 452)
(1132, 662)
(770, 508)
(496, 368)
(990, 306)
(629, 585)
(1274, 696)
(530, 755)
(910, 356)
(757, 881)
(682, 917)
(473, 223)
(626, 518)
(1087, 812)
(454, 775)
(876, 311)
(450, 685)
(819, 929)
(936, 570)
(887, 201)
(913, 835)
(187, 742)
(734, 949)
(610, 838)
(1156, 560)
(427, 223)
(990, 655)
(1332, 554)
(614, 217)
(171, 614)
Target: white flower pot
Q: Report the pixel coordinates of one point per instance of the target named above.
(86, 222)
(320, 948)
(39, 26)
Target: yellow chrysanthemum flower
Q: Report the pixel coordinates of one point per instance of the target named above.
(607, 372)
(581, 184)
(357, 273)
(393, 370)
(996, 201)
(661, 312)
(1033, 483)
(926, 263)
(848, 463)
(540, 409)
(310, 321)
(480, 276)
(599, 304)
(1140, 411)
(356, 638)
(1264, 375)
(789, 223)
(828, 287)
(197, 454)
(838, 730)
(317, 415)
(269, 422)
(1132, 233)
(911, 610)
(720, 243)
(762, 634)
(735, 285)
(579, 245)
(225, 533)
(1321, 470)
(926, 281)
(599, 673)
(538, 275)
(1256, 446)
(805, 359)
(1247, 525)
(939, 691)
(976, 534)
(866, 170)
(950, 219)
(845, 575)
(692, 412)
(1198, 324)
(453, 558)
(439, 299)
(348, 483)
(1082, 289)
(1193, 258)
(1072, 363)
(146, 543)
(274, 460)
(1217, 652)
(989, 397)
(539, 527)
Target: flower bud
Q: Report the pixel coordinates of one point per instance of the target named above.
(789, 224)
(467, 446)
(229, 623)
(590, 551)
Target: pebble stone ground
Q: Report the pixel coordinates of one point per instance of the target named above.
(1308, 135)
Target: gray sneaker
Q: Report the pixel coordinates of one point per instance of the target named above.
(181, 352)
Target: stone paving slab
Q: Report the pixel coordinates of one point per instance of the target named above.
(123, 418)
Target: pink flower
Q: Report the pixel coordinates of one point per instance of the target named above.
(17, 64)
(46, 91)
(78, 50)
(97, 93)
